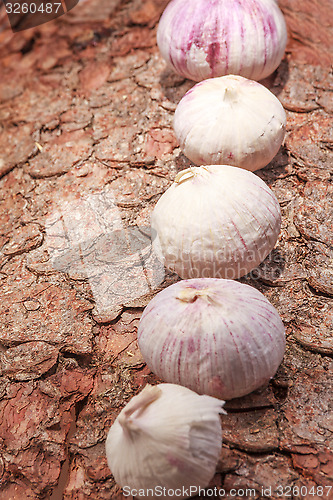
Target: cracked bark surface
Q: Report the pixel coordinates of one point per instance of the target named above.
(86, 108)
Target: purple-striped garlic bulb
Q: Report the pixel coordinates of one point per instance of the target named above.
(207, 38)
(217, 337)
(230, 121)
(215, 221)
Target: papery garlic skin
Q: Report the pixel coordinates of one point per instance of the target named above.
(217, 337)
(166, 436)
(230, 121)
(215, 221)
(207, 38)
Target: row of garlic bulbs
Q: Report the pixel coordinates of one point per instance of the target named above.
(208, 333)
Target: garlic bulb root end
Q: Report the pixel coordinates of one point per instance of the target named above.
(191, 294)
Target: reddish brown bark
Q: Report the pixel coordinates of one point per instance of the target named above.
(86, 108)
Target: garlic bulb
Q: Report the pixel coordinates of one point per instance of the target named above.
(215, 221)
(207, 38)
(166, 437)
(232, 121)
(217, 337)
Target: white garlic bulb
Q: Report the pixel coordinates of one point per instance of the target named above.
(167, 437)
(230, 120)
(207, 38)
(215, 336)
(215, 221)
